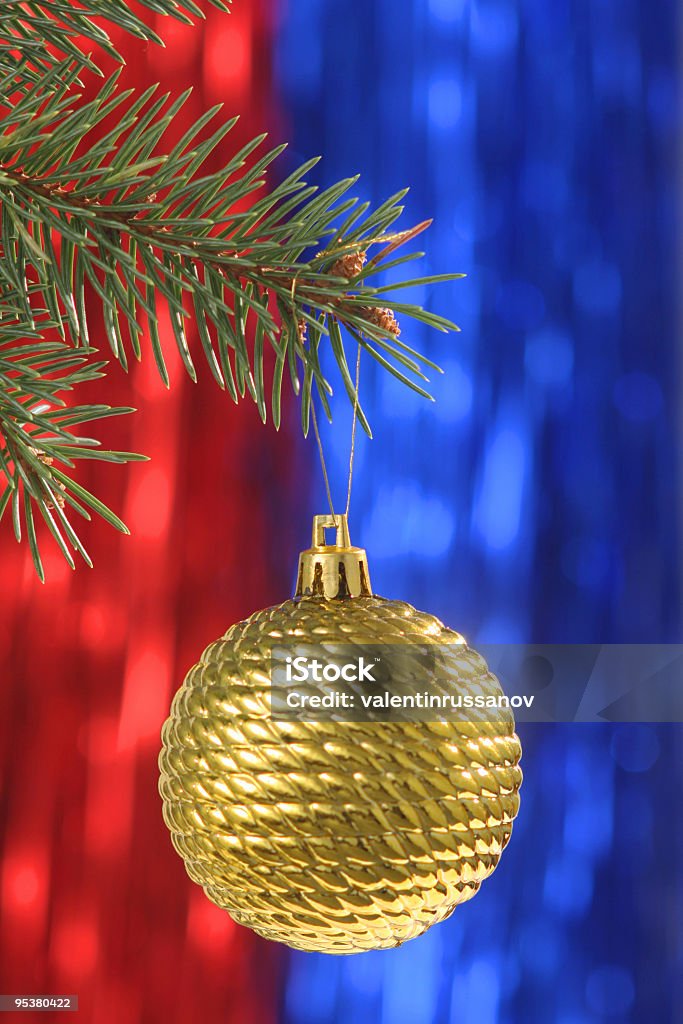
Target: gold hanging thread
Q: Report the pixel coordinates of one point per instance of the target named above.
(352, 451)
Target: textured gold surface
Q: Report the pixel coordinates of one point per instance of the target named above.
(334, 836)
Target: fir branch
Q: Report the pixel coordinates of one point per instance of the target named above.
(145, 227)
(36, 34)
(151, 231)
(37, 439)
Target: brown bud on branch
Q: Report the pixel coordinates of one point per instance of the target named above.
(348, 266)
(383, 318)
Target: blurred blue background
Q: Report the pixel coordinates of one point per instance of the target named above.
(539, 499)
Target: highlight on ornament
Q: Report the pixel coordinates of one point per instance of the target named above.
(330, 833)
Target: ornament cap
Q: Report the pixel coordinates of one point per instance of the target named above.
(333, 571)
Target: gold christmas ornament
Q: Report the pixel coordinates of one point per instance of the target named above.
(335, 836)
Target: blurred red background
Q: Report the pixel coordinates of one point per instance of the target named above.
(94, 900)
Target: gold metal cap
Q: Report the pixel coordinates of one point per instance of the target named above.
(333, 571)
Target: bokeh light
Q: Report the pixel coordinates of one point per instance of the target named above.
(539, 499)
